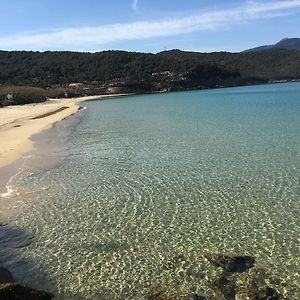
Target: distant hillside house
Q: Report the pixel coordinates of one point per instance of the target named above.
(76, 85)
(113, 90)
(9, 97)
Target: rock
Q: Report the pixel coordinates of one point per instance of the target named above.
(12, 291)
(226, 284)
(254, 287)
(263, 293)
(232, 264)
(6, 276)
(268, 294)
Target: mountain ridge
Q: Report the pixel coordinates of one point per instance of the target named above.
(285, 43)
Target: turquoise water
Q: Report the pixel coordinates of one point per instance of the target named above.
(154, 182)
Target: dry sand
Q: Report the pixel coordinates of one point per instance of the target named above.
(19, 123)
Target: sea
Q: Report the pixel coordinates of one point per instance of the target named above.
(132, 194)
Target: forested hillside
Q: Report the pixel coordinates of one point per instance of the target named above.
(144, 72)
(50, 68)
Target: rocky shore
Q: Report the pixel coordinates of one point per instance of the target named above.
(10, 290)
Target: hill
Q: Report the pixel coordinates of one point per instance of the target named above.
(45, 69)
(121, 71)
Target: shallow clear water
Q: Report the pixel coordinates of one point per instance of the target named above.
(154, 182)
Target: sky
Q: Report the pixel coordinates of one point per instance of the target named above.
(146, 25)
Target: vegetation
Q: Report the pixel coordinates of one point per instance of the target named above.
(10, 95)
(109, 71)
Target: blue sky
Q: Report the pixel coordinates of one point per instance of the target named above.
(146, 25)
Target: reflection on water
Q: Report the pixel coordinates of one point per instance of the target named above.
(153, 183)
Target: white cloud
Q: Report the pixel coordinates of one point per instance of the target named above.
(95, 37)
(135, 5)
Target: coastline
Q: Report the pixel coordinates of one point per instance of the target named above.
(19, 123)
(171, 260)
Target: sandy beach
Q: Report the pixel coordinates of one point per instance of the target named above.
(19, 123)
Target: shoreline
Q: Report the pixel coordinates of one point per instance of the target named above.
(19, 123)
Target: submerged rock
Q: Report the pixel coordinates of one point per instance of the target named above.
(160, 293)
(232, 264)
(254, 287)
(9, 290)
(6, 276)
(268, 294)
(263, 293)
(166, 293)
(226, 285)
(198, 297)
(12, 291)
(232, 285)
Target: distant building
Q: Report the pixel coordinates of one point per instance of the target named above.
(9, 97)
(113, 90)
(76, 85)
